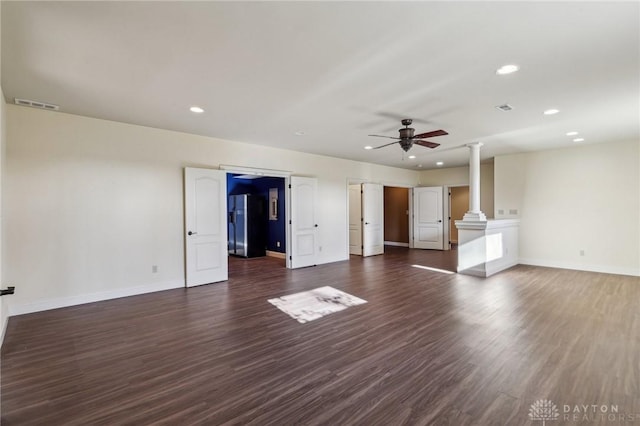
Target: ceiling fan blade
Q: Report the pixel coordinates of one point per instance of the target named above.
(426, 143)
(431, 134)
(380, 136)
(382, 146)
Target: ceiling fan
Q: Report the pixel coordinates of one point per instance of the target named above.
(407, 137)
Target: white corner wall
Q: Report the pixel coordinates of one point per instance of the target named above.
(454, 176)
(581, 199)
(4, 315)
(91, 204)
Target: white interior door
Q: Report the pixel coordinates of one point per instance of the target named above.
(373, 219)
(205, 195)
(428, 227)
(303, 222)
(355, 219)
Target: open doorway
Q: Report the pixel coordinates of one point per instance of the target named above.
(378, 216)
(366, 219)
(396, 216)
(256, 216)
(207, 220)
(458, 204)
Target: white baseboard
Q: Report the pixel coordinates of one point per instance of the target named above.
(475, 271)
(63, 302)
(395, 243)
(488, 269)
(605, 269)
(276, 254)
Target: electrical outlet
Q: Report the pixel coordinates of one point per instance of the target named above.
(581, 252)
(277, 243)
(513, 211)
(320, 248)
(500, 211)
(154, 268)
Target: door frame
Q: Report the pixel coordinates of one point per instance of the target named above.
(358, 181)
(229, 169)
(448, 189)
(446, 212)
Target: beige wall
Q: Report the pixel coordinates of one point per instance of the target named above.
(3, 143)
(585, 198)
(460, 176)
(92, 204)
(89, 205)
(396, 220)
(3, 282)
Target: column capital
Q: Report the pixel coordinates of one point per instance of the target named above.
(474, 144)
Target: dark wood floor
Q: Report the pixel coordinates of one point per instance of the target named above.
(427, 348)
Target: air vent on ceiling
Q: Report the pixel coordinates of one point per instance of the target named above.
(505, 107)
(36, 104)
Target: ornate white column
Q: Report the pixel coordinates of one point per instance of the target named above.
(485, 247)
(474, 214)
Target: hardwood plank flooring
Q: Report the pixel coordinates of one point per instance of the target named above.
(428, 348)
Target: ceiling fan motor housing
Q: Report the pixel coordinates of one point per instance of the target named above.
(406, 133)
(408, 137)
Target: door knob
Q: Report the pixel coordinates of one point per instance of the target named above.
(439, 220)
(315, 226)
(191, 233)
(366, 223)
(9, 290)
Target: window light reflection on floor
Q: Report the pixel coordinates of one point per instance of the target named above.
(433, 269)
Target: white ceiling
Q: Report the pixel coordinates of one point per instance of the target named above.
(337, 71)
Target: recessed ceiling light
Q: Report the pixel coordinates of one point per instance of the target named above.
(572, 133)
(299, 133)
(196, 109)
(507, 69)
(551, 111)
(368, 147)
(578, 140)
(439, 163)
(412, 157)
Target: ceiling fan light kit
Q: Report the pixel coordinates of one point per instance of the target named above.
(408, 137)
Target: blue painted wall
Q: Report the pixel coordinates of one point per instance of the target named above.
(276, 228)
(276, 231)
(240, 186)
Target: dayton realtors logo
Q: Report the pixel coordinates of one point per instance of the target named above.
(544, 410)
(596, 413)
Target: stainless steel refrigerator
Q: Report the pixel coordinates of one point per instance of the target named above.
(247, 225)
